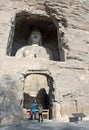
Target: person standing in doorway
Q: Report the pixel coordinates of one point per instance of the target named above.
(40, 109)
(33, 108)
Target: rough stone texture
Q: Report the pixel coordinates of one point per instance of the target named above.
(46, 125)
(10, 110)
(71, 77)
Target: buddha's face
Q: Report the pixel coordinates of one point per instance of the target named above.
(35, 37)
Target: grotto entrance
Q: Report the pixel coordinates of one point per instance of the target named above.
(42, 98)
(38, 87)
(22, 26)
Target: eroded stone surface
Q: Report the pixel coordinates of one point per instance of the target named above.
(71, 78)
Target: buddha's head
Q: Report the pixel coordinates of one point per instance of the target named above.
(35, 37)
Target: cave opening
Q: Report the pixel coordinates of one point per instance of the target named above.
(42, 93)
(21, 28)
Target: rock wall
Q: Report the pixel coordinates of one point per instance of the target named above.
(71, 77)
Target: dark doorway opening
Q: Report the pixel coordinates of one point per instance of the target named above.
(41, 98)
(43, 95)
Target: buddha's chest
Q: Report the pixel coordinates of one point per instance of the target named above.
(35, 53)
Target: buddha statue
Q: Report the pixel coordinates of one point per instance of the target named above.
(34, 49)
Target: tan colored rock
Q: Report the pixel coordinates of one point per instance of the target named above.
(70, 79)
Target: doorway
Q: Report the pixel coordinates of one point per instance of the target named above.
(42, 93)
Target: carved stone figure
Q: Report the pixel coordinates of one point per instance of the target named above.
(35, 48)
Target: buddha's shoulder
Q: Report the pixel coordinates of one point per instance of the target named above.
(26, 47)
(31, 47)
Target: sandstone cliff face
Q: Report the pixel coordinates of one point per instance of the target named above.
(71, 76)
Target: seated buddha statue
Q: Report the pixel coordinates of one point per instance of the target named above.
(34, 49)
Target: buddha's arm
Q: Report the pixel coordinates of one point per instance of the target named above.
(50, 53)
(20, 52)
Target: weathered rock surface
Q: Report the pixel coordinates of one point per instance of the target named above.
(71, 77)
(10, 110)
